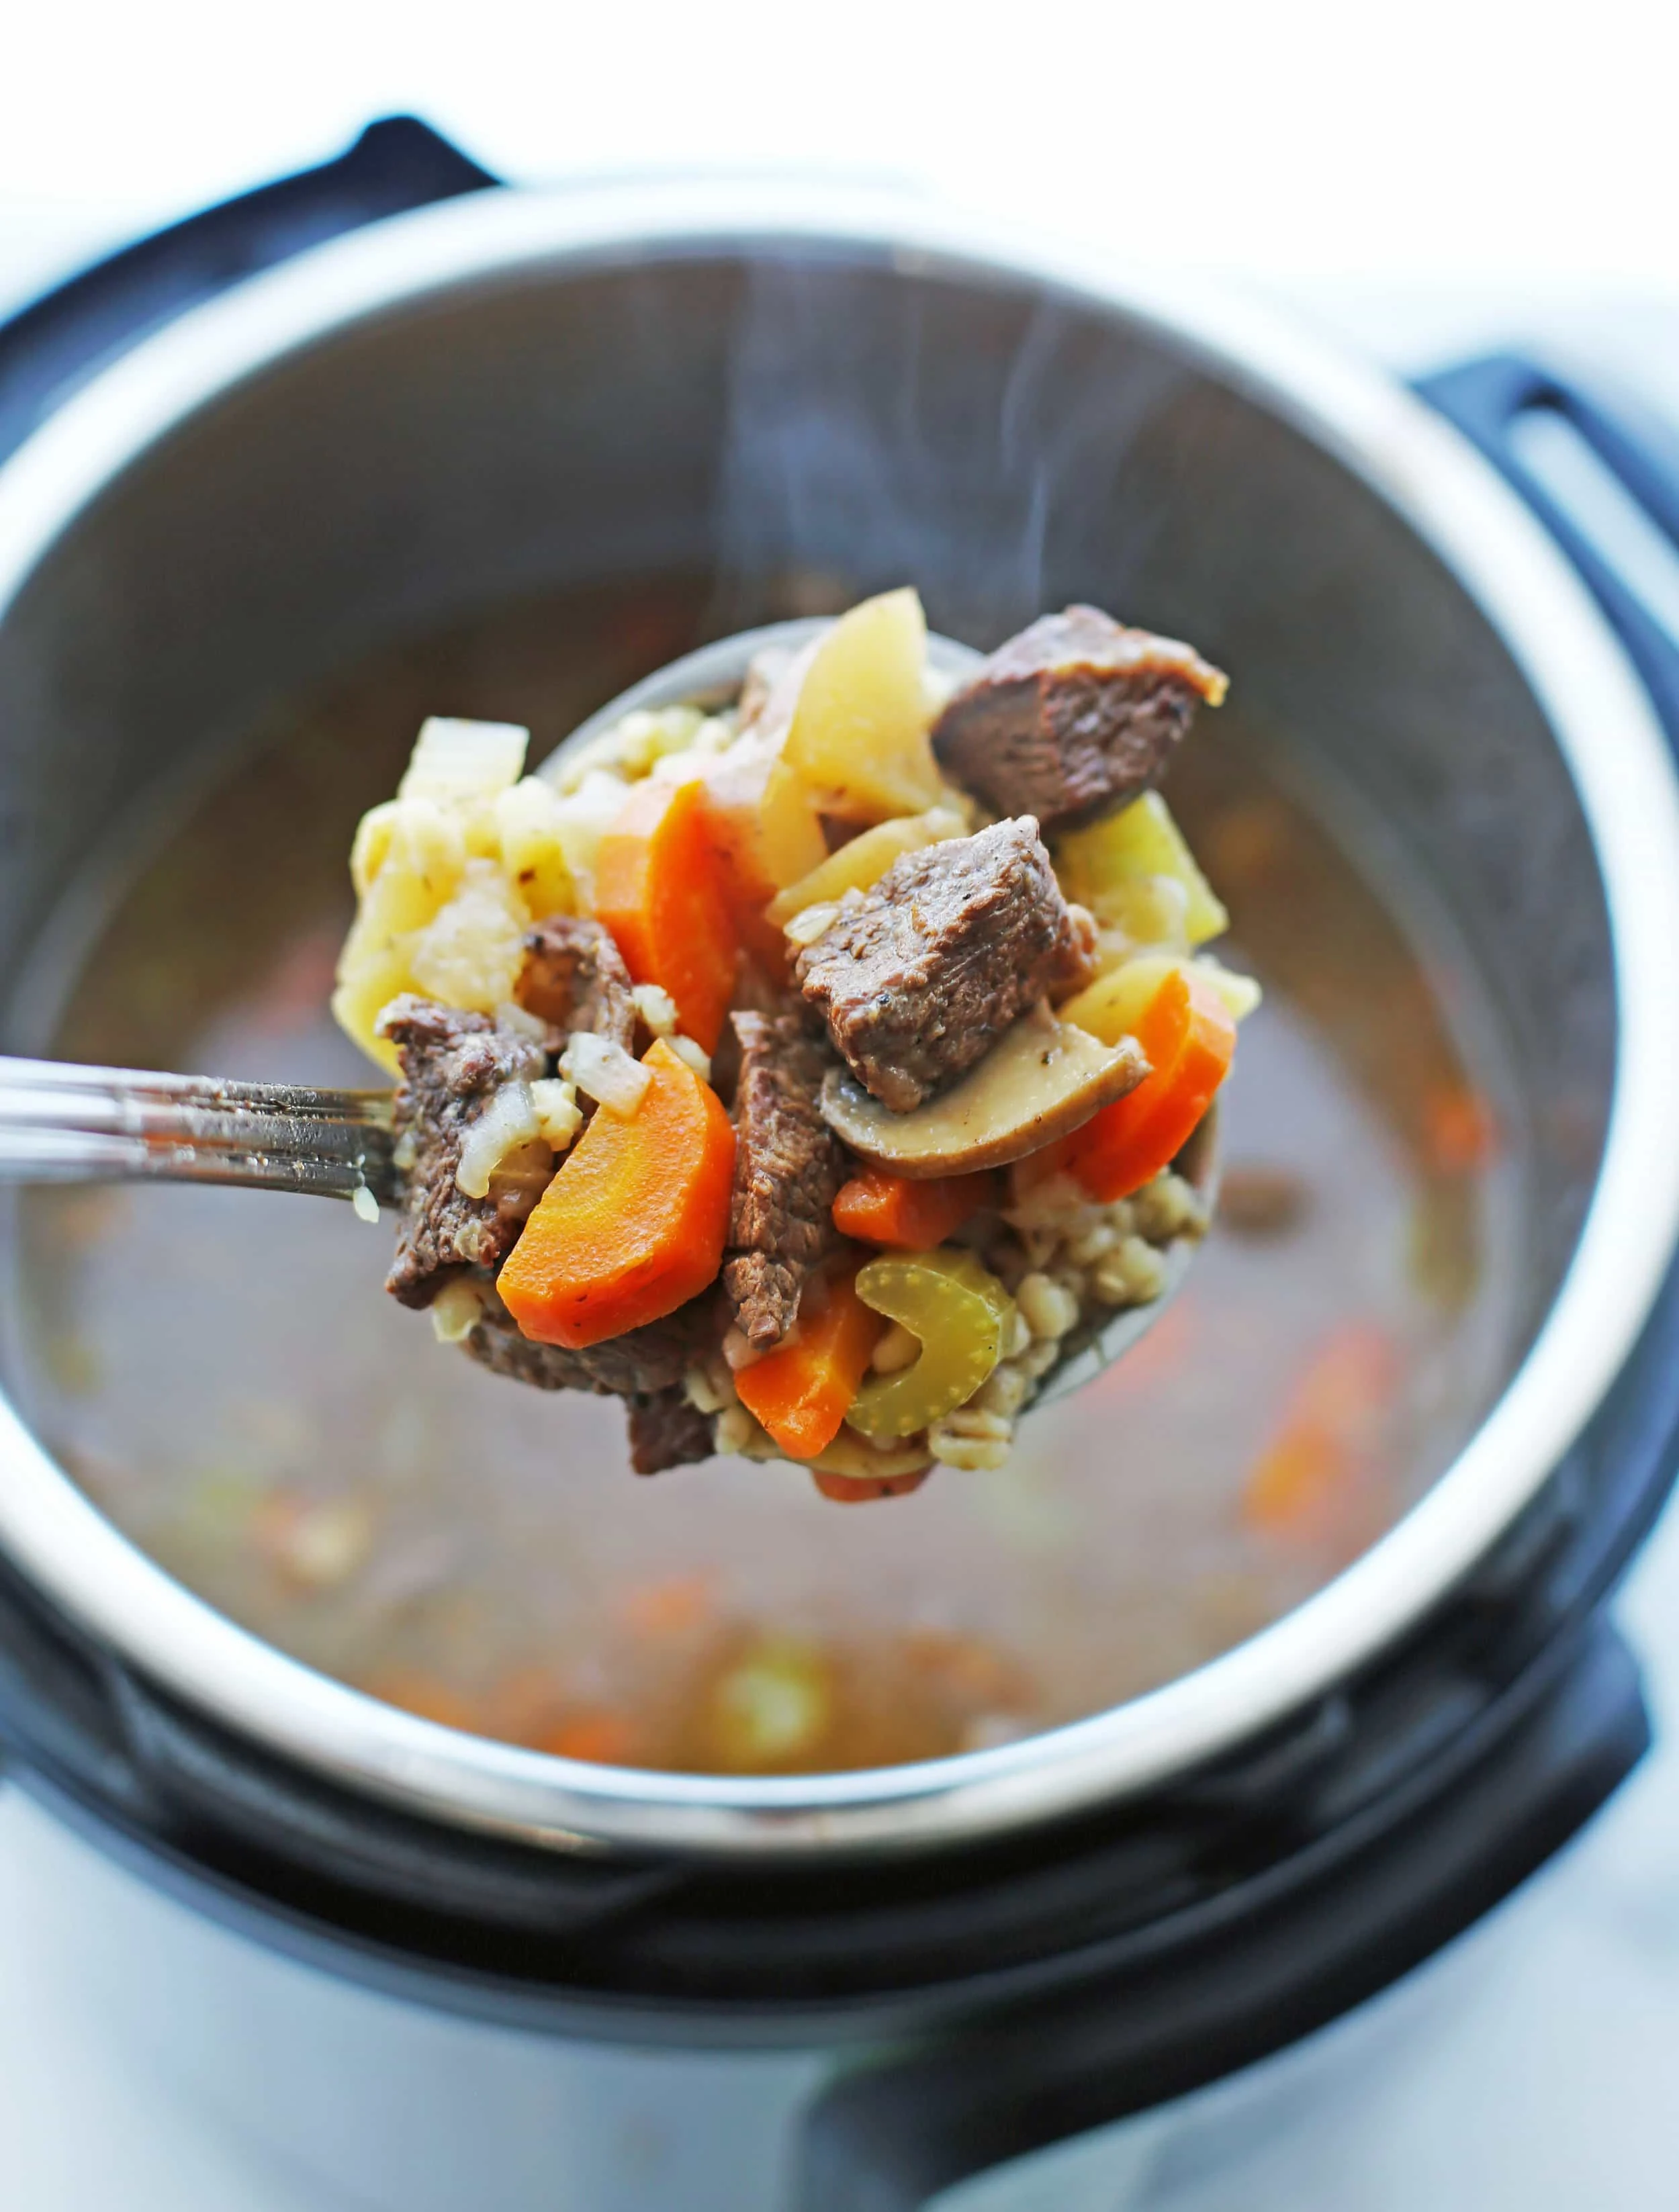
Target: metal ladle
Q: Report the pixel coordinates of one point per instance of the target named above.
(62, 1123)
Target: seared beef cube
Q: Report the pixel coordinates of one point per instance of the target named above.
(919, 978)
(453, 1065)
(1076, 716)
(574, 978)
(641, 1363)
(666, 1430)
(788, 1166)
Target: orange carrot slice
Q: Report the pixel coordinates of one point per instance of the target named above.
(658, 890)
(802, 1392)
(427, 1696)
(1318, 1480)
(865, 1489)
(1460, 1129)
(1187, 1033)
(633, 1225)
(879, 1208)
(598, 1734)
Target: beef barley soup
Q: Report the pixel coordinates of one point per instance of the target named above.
(763, 1064)
(220, 1372)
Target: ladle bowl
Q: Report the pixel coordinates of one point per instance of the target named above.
(60, 1123)
(712, 677)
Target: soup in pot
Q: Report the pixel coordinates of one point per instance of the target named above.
(218, 1369)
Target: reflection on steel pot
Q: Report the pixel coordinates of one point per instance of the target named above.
(515, 394)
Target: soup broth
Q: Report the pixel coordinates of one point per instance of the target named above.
(222, 1373)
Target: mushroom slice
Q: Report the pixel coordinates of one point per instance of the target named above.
(1041, 1080)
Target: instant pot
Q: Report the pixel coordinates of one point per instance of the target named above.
(405, 1967)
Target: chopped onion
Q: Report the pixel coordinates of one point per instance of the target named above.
(509, 1120)
(581, 819)
(700, 1388)
(686, 767)
(1240, 993)
(557, 1111)
(656, 1007)
(428, 836)
(606, 1072)
(686, 1049)
(456, 1311)
(363, 1202)
(814, 921)
(455, 759)
(470, 954)
(510, 1015)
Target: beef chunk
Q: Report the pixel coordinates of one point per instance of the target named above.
(641, 1363)
(574, 978)
(1074, 717)
(666, 1430)
(788, 1166)
(920, 976)
(453, 1065)
(646, 1367)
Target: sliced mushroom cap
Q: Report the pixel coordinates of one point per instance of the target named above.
(1042, 1079)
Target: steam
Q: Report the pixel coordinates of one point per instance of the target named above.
(893, 427)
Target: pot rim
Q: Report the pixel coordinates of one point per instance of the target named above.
(1603, 722)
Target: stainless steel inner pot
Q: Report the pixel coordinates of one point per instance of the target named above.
(517, 391)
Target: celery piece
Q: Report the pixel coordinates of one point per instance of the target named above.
(963, 1317)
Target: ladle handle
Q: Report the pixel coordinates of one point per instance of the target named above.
(396, 164)
(1608, 494)
(60, 1123)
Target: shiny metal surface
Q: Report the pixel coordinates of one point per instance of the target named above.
(521, 392)
(64, 1123)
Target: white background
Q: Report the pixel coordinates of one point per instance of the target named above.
(1420, 177)
(1515, 148)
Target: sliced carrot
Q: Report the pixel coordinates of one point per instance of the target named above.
(1460, 1130)
(524, 1701)
(879, 1208)
(1313, 1481)
(658, 890)
(426, 1696)
(802, 1392)
(633, 1225)
(670, 1605)
(864, 1490)
(1031, 1174)
(1187, 1033)
(595, 1733)
(1293, 1481)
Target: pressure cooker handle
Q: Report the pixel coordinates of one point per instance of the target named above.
(59, 340)
(1490, 400)
(1364, 1904)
